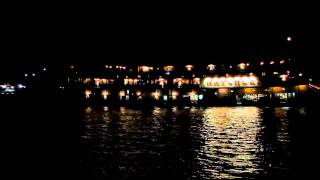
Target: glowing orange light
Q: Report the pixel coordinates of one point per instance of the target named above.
(138, 93)
(88, 93)
(156, 94)
(104, 94)
(122, 93)
(168, 68)
(242, 66)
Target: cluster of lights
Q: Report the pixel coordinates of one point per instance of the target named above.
(243, 66)
(272, 62)
(218, 82)
(99, 81)
(117, 67)
(145, 68)
(168, 68)
(130, 81)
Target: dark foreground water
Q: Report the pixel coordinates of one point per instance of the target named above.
(194, 143)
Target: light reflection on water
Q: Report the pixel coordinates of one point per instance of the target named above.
(187, 143)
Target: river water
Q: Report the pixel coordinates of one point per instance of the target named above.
(192, 143)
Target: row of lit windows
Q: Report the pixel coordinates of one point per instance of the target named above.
(129, 81)
(189, 67)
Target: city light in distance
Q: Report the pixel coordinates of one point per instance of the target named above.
(189, 67)
(242, 66)
(211, 67)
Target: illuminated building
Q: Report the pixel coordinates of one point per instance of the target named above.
(250, 82)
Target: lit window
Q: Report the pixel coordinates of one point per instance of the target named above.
(211, 67)
(242, 66)
(189, 67)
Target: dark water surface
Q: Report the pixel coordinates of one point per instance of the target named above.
(194, 143)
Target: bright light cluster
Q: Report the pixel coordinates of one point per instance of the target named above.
(218, 82)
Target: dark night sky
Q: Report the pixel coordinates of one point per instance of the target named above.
(210, 37)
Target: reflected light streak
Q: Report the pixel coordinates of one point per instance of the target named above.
(232, 136)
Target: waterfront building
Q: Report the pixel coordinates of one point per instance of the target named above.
(276, 81)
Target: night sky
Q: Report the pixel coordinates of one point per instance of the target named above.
(211, 37)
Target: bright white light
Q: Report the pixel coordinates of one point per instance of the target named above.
(20, 86)
(289, 38)
(33, 74)
(200, 96)
(300, 74)
(26, 75)
(44, 69)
